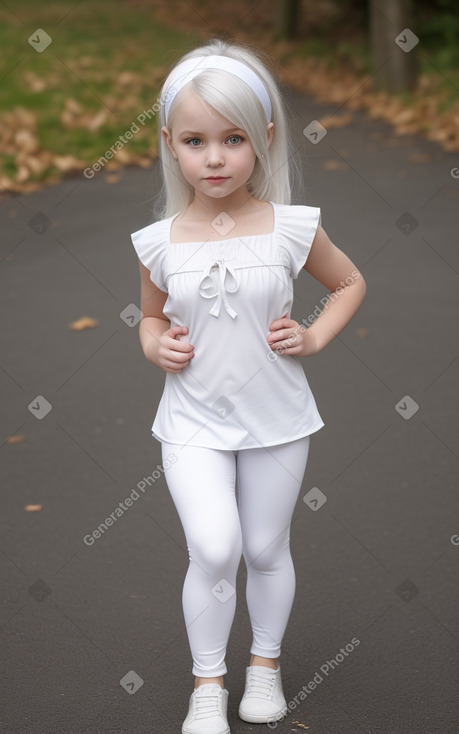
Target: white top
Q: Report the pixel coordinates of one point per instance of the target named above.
(236, 393)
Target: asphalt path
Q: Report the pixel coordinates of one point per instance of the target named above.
(92, 635)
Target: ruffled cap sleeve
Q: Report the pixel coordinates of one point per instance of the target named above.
(150, 244)
(298, 226)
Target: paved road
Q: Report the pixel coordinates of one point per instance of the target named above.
(377, 562)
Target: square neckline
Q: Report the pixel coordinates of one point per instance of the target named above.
(228, 239)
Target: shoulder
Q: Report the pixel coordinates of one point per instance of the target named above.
(296, 211)
(296, 226)
(297, 221)
(150, 244)
(154, 234)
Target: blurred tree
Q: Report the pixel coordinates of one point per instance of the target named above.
(396, 70)
(287, 20)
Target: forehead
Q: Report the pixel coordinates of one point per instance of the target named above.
(192, 111)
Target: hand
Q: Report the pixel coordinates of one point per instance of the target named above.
(173, 355)
(291, 338)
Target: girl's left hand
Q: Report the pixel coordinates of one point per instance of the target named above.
(290, 337)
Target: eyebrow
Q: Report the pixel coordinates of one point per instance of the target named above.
(193, 132)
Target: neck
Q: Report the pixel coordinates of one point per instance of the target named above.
(237, 203)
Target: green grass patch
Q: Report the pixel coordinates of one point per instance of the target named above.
(93, 45)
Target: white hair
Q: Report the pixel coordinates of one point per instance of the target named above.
(276, 167)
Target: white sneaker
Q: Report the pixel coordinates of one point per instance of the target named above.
(207, 712)
(263, 700)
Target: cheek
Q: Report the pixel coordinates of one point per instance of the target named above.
(188, 165)
(247, 161)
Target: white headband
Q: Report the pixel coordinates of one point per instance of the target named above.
(187, 70)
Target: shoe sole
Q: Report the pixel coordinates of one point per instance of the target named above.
(227, 731)
(262, 719)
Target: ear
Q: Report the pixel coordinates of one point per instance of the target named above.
(168, 139)
(270, 133)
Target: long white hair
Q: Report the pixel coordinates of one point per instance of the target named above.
(276, 168)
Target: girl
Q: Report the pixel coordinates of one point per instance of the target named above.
(216, 295)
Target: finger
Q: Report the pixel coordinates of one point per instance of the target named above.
(179, 358)
(281, 323)
(175, 366)
(287, 342)
(277, 336)
(177, 346)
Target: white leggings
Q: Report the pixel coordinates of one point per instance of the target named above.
(220, 524)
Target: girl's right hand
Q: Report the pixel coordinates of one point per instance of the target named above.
(173, 355)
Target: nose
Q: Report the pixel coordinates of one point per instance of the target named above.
(214, 155)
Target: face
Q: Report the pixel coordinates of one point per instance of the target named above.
(206, 144)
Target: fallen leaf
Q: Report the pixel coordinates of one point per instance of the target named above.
(25, 140)
(34, 82)
(35, 164)
(97, 120)
(5, 183)
(22, 174)
(146, 162)
(420, 157)
(33, 508)
(73, 106)
(86, 322)
(15, 439)
(123, 156)
(406, 115)
(112, 178)
(334, 165)
(330, 121)
(67, 163)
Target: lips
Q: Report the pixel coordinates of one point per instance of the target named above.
(216, 178)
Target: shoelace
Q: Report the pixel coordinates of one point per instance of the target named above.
(260, 683)
(206, 704)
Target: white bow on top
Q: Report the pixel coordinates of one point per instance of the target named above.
(224, 270)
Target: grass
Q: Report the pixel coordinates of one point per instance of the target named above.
(107, 61)
(107, 57)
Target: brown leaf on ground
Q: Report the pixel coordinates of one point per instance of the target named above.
(15, 439)
(34, 82)
(131, 80)
(22, 174)
(26, 141)
(146, 162)
(334, 165)
(34, 164)
(67, 163)
(5, 183)
(420, 158)
(73, 106)
(123, 156)
(85, 322)
(330, 121)
(113, 178)
(97, 120)
(33, 508)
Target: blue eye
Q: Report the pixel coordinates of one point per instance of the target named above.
(190, 141)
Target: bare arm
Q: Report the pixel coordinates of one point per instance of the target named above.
(159, 341)
(331, 267)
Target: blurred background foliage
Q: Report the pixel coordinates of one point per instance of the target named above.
(61, 109)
